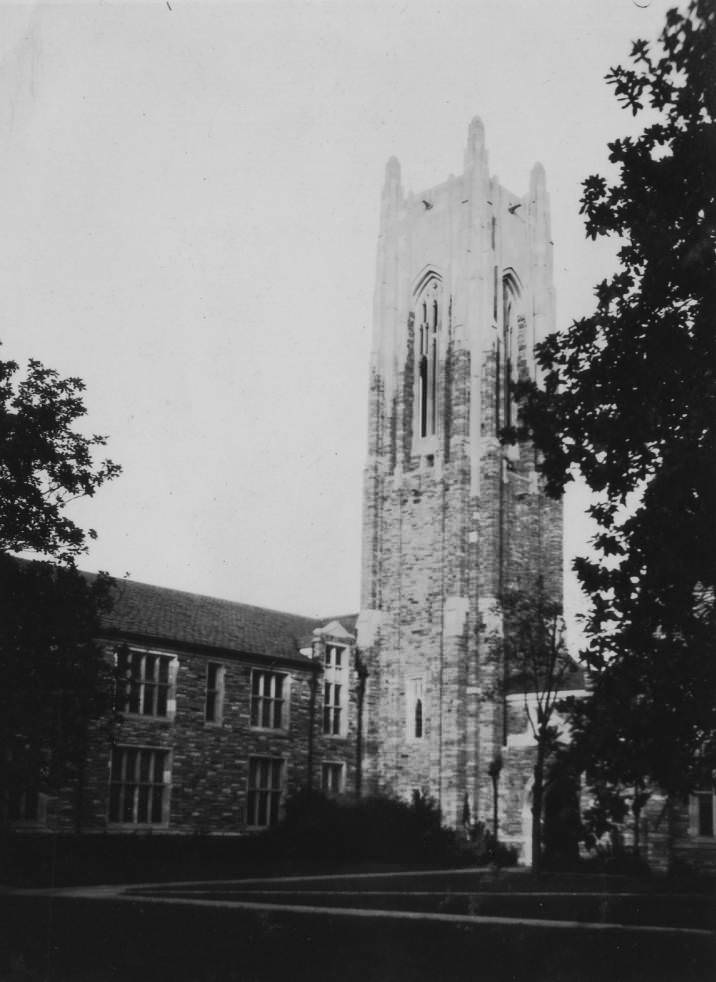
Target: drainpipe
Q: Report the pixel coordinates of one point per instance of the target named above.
(500, 399)
(311, 722)
(362, 672)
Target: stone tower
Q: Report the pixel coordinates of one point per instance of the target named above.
(450, 517)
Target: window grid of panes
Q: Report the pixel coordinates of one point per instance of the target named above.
(138, 788)
(213, 709)
(705, 813)
(143, 683)
(333, 689)
(416, 709)
(331, 778)
(23, 806)
(428, 317)
(267, 700)
(264, 790)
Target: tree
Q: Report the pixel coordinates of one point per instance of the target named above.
(610, 748)
(627, 724)
(53, 679)
(44, 462)
(629, 401)
(537, 665)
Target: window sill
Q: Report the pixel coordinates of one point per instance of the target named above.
(283, 730)
(134, 717)
(424, 447)
(136, 827)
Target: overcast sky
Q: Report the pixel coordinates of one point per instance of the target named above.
(189, 218)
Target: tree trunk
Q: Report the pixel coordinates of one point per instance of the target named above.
(495, 830)
(80, 795)
(537, 794)
(80, 753)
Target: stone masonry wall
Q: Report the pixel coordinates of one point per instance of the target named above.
(453, 519)
(209, 761)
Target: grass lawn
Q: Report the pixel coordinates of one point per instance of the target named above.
(107, 940)
(600, 909)
(83, 940)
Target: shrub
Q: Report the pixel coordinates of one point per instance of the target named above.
(377, 829)
(485, 849)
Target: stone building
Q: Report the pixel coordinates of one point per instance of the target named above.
(452, 518)
(223, 709)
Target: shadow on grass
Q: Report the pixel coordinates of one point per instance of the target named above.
(93, 941)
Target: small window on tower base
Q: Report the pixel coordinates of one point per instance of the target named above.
(703, 814)
(416, 709)
(331, 778)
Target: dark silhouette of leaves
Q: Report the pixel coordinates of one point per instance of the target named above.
(629, 402)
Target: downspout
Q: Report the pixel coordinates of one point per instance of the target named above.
(362, 672)
(442, 648)
(499, 395)
(311, 722)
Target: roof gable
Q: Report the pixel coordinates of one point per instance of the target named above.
(334, 629)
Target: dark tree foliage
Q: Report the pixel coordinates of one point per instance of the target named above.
(538, 666)
(629, 401)
(44, 462)
(53, 680)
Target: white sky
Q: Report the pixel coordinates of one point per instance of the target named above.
(189, 219)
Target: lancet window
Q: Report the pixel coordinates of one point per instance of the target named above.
(415, 709)
(428, 317)
(508, 346)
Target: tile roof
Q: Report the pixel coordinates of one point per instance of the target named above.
(153, 613)
(574, 680)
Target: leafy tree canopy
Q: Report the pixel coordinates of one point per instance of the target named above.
(44, 462)
(629, 402)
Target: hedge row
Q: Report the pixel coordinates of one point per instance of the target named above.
(316, 834)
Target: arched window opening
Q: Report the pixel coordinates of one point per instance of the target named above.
(418, 718)
(423, 394)
(508, 342)
(507, 345)
(427, 361)
(416, 709)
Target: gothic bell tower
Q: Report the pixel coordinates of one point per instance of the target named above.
(451, 518)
